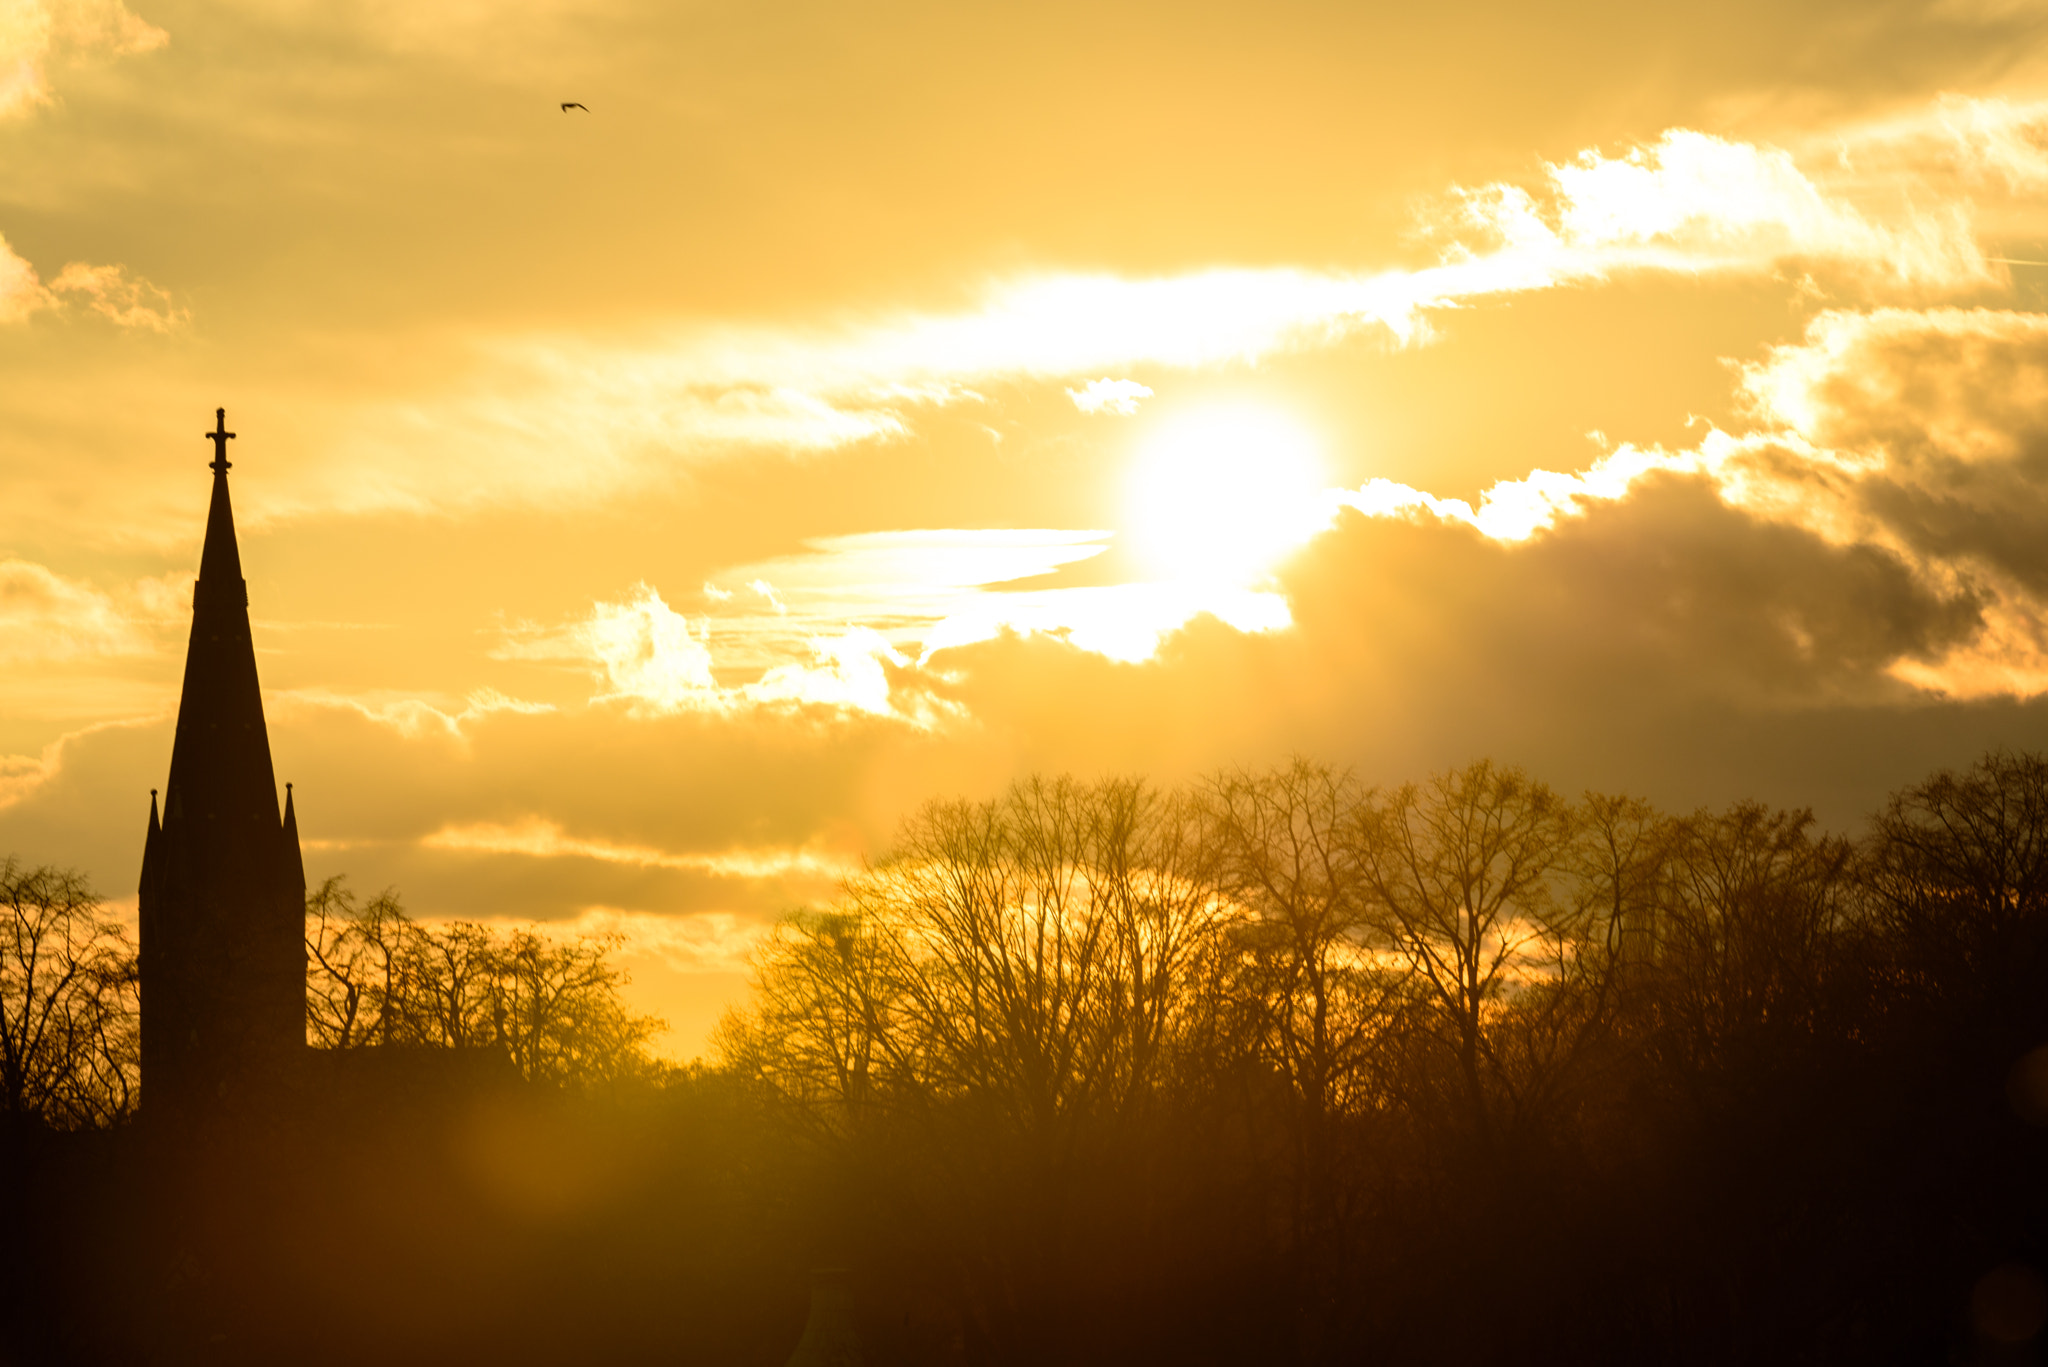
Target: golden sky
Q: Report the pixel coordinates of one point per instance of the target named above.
(644, 506)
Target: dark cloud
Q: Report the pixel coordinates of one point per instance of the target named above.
(1951, 408)
(1606, 650)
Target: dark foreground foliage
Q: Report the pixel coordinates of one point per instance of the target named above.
(1279, 1069)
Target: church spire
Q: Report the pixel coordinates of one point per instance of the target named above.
(220, 760)
(223, 971)
(292, 863)
(220, 560)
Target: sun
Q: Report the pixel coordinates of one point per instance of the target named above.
(1218, 495)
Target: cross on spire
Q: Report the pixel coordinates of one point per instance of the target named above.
(220, 437)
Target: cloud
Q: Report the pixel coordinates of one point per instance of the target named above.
(1109, 396)
(1692, 202)
(119, 297)
(34, 33)
(576, 420)
(647, 653)
(848, 673)
(701, 942)
(1877, 536)
(72, 651)
(412, 717)
(22, 776)
(1618, 648)
(21, 292)
(109, 291)
(1920, 436)
(1930, 390)
(1992, 139)
(538, 838)
(649, 658)
(855, 623)
(905, 584)
(1688, 203)
(1123, 622)
(1936, 428)
(1952, 144)
(46, 618)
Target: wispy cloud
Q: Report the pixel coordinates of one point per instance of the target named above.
(125, 300)
(930, 590)
(412, 717)
(1694, 203)
(839, 620)
(34, 34)
(855, 624)
(110, 291)
(697, 942)
(1109, 396)
(650, 658)
(48, 618)
(896, 582)
(1992, 143)
(568, 418)
(539, 838)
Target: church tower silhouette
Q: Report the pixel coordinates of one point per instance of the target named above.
(223, 886)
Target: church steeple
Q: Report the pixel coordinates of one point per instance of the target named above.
(293, 863)
(222, 897)
(220, 559)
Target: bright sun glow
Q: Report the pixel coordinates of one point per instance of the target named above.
(1218, 495)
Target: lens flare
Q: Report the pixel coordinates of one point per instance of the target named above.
(1219, 495)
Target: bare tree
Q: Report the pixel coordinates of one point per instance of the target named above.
(1745, 922)
(69, 1048)
(1035, 954)
(377, 977)
(1325, 998)
(1325, 1007)
(1597, 934)
(1461, 876)
(997, 1016)
(1956, 871)
(357, 978)
(556, 1006)
(823, 1012)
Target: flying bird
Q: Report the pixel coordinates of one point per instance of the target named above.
(568, 105)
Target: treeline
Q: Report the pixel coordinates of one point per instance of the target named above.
(377, 978)
(1283, 1067)
(70, 995)
(1278, 1067)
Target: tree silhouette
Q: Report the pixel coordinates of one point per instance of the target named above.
(377, 977)
(1461, 878)
(68, 1006)
(1956, 872)
(1326, 1010)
